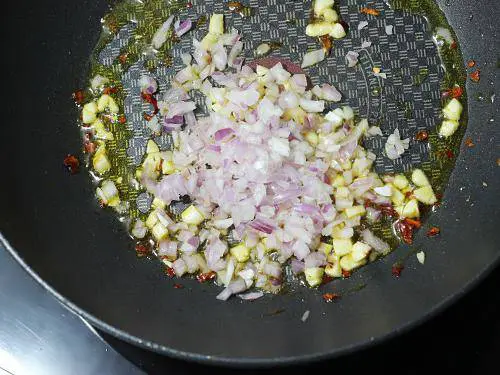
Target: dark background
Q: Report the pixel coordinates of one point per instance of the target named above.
(39, 336)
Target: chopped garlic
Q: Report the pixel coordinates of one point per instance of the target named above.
(216, 25)
(448, 128)
(419, 178)
(314, 275)
(453, 110)
(240, 252)
(421, 257)
(89, 113)
(342, 246)
(192, 215)
(425, 194)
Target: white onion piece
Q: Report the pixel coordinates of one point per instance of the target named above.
(313, 57)
(160, 36)
(376, 243)
(352, 58)
(395, 146)
(251, 296)
(182, 27)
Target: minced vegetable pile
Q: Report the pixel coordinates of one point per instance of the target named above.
(272, 179)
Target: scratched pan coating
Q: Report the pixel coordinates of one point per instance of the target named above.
(83, 255)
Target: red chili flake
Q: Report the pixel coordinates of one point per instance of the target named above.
(422, 136)
(405, 229)
(151, 100)
(89, 147)
(456, 92)
(415, 223)
(122, 119)
(475, 76)
(141, 250)
(123, 58)
(471, 63)
(326, 279)
(326, 43)
(469, 143)
(449, 154)
(78, 97)
(397, 268)
(178, 286)
(346, 274)
(371, 11)
(434, 231)
(330, 297)
(453, 45)
(189, 5)
(203, 277)
(498, 162)
(110, 90)
(72, 164)
(170, 272)
(388, 210)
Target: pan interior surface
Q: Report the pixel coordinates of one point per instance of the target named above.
(85, 255)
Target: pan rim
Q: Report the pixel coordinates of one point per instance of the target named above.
(242, 362)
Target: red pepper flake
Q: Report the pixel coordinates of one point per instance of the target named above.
(330, 297)
(498, 162)
(122, 119)
(141, 250)
(370, 11)
(235, 6)
(326, 43)
(453, 45)
(178, 286)
(78, 97)
(72, 164)
(151, 100)
(469, 143)
(110, 90)
(387, 210)
(434, 231)
(471, 63)
(422, 136)
(123, 58)
(204, 277)
(170, 272)
(326, 279)
(449, 154)
(346, 274)
(456, 92)
(406, 228)
(475, 75)
(397, 268)
(415, 223)
(89, 147)
(189, 5)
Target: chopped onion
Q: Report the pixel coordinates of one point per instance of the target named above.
(251, 296)
(182, 27)
(312, 58)
(352, 58)
(376, 243)
(362, 25)
(160, 36)
(395, 146)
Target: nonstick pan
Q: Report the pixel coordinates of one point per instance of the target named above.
(51, 224)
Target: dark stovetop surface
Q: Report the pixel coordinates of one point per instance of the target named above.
(39, 336)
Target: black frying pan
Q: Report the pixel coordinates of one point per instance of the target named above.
(85, 258)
